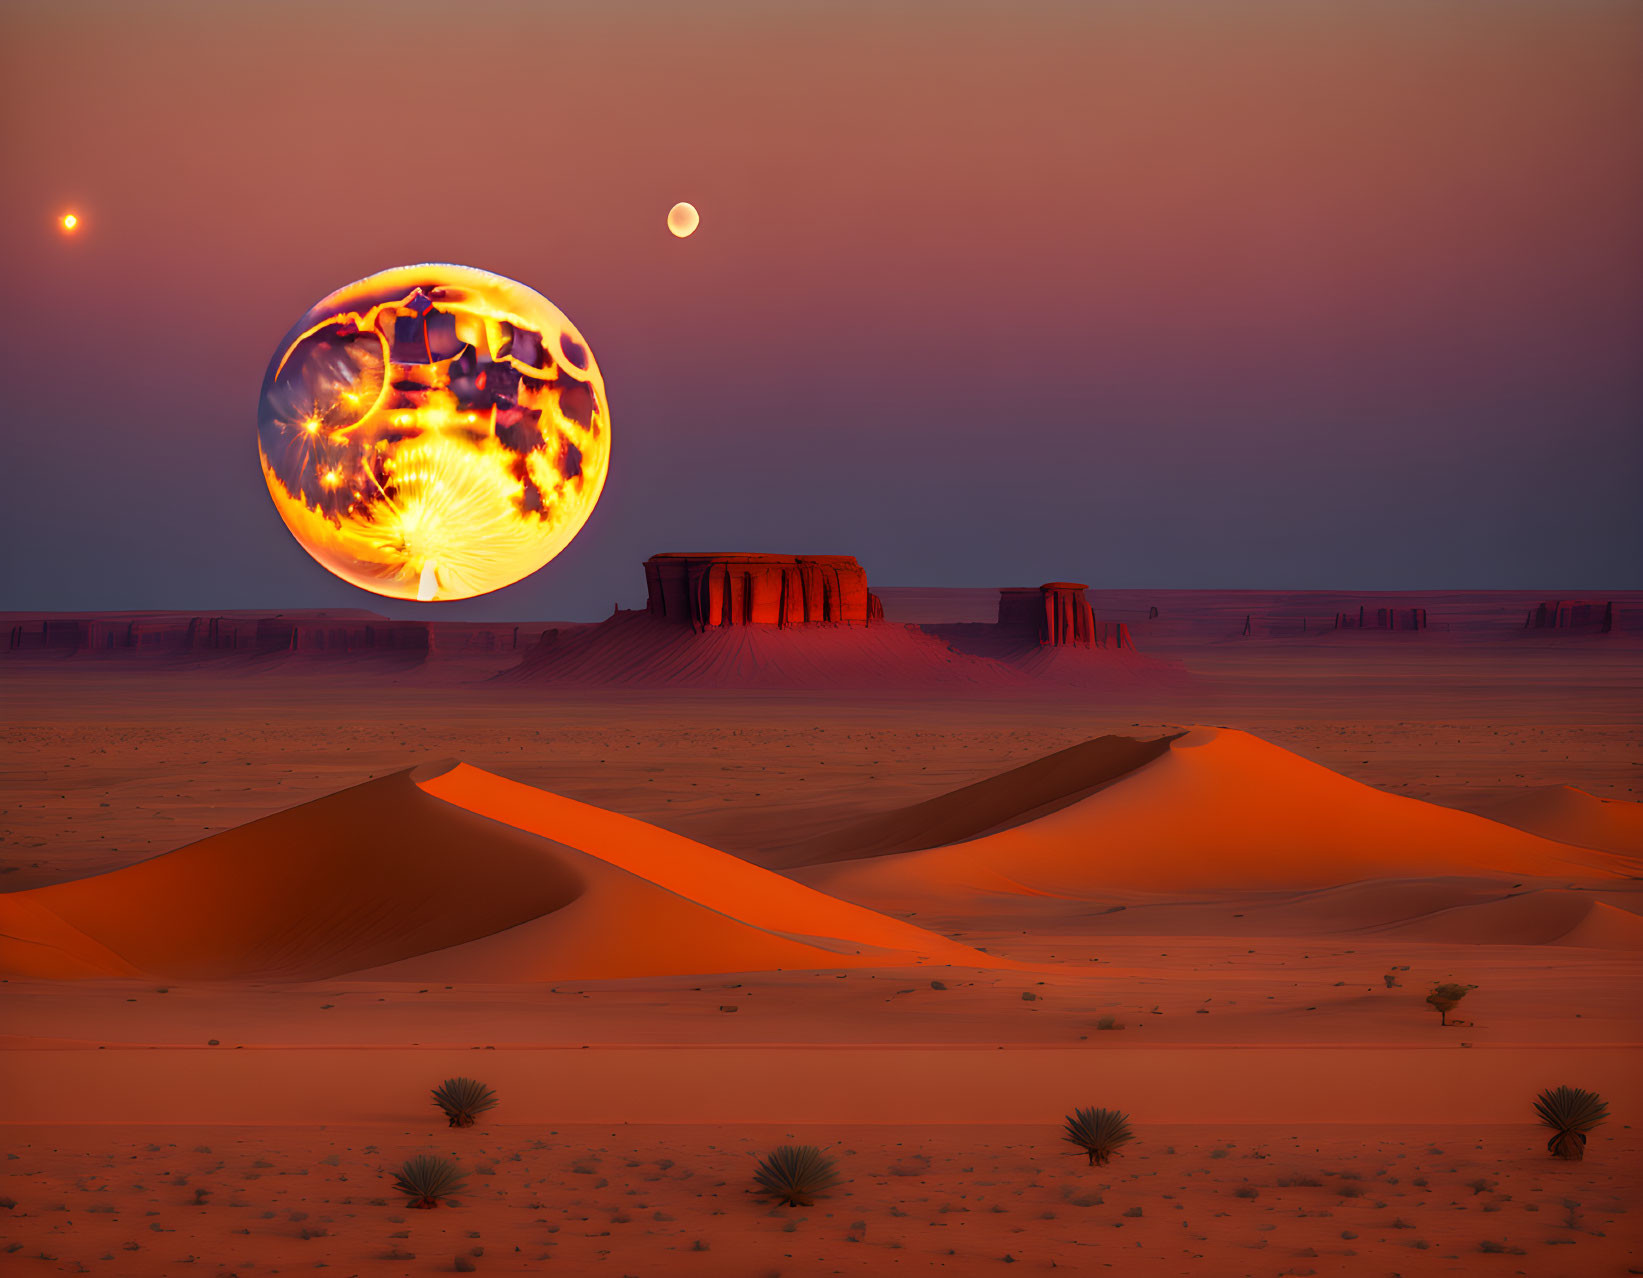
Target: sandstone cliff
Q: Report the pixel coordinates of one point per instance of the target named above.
(1059, 615)
(707, 590)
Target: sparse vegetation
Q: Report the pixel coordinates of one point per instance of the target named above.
(463, 1100)
(1109, 1023)
(1570, 1112)
(1098, 1132)
(428, 1179)
(1445, 996)
(796, 1174)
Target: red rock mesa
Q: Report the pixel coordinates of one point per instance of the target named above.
(706, 590)
(1059, 614)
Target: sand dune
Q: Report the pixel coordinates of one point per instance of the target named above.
(1571, 815)
(1011, 798)
(455, 874)
(1547, 916)
(1219, 809)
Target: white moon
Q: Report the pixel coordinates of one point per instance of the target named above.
(682, 219)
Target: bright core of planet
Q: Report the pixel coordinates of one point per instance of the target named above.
(433, 432)
(682, 219)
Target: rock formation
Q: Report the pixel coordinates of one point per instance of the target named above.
(1384, 619)
(249, 633)
(706, 590)
(1059, 615)
(1572, 614)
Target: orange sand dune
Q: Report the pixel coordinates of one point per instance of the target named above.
(455, 875)
(1220, 809)
(1570, 815)
(1011, 798)
(1545, 916)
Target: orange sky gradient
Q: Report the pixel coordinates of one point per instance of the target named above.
(1177, 294)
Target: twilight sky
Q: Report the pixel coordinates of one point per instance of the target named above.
(1263, 294)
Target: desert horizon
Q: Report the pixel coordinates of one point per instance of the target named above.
(702, 908)
(724, 640)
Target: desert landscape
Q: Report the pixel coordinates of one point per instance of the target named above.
(677, 914)
(724, 640)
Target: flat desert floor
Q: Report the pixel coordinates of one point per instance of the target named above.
(1298, 1109)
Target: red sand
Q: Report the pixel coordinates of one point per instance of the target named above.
(1254, 995)
(637, 650)
(485, 880)
(1570, 815)
(665, 1200)
(1218, 810)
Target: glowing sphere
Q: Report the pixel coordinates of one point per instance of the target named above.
(434, 432)
(682, 220)
(69, 221)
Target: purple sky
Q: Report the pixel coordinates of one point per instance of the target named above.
(1150, 294)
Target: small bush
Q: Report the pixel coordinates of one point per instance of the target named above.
(428, 1179)
(1098, 1132)
(1445, 995)
(1570, 1112)
(1109, 1023)
(1499, 1248)
(1246, 1191)
(463, 1100)
(796, 1174)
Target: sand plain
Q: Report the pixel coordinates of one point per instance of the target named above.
(1258, 1019)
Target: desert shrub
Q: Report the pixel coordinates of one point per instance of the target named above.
(1098, 1132)
(1109, 1023)
(1445, 996)
(1391, 979)
(463, 1100)
(427, 1179)
(1499, 1248)
(795, 1174)
(1246, 1191)
(1350, 1189)
(1570, 1112)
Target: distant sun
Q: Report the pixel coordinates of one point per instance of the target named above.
(682, 219)
(70, 222)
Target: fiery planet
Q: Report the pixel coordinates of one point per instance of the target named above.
(434, 432)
